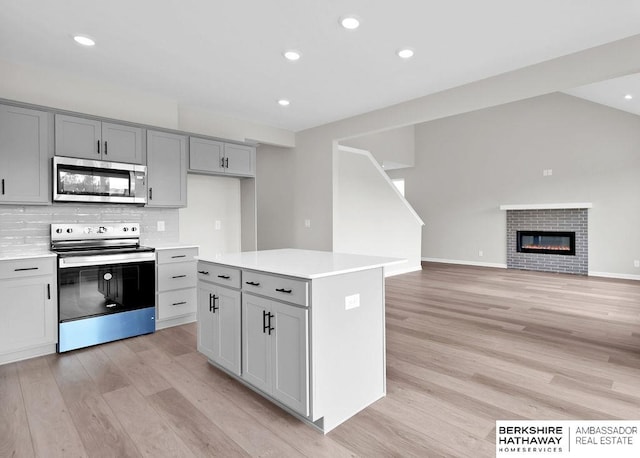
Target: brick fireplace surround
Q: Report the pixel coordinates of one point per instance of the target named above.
(524, 218)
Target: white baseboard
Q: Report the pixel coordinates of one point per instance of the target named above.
(614, 275)
(467, 263)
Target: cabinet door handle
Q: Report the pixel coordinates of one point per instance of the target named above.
(203, 272)
(222, 162)
(216, 298)
(282, 290)
(178, 276)
(49, 291)
(3, 186)
(211, 303)
(252, 283)
(179, 303)
(105, 147)
(224, 277)
(265, 326)
(226, 162)
(271, 315)
(179, 256)
(22, 269)
(98, 149)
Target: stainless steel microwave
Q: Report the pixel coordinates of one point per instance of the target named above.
(81, 180)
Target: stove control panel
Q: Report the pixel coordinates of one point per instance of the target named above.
(94, 231)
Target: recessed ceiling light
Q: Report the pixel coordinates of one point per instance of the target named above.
(406, 53)
(84, 40)
(291, 55)
(283, 102)
(350, 22)
(628, 96)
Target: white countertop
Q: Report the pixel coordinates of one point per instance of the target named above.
(9, 256)
(301, 263)
(170, 246)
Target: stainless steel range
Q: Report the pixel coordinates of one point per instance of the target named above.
(106, 283)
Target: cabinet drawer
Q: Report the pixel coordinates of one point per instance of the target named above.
(227, 276)
(281, 288)
(176, 275)
(176, 255)
(176, 303)
(19, 268)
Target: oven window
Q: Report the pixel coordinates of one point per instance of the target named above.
(101, 290)
(95, 182)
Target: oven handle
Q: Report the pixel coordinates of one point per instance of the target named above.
(103, 260)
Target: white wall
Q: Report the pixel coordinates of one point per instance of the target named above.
(69, 91)
(211, 199)
(275, 197)
(392, 149)
(467, 165)
(370, 216)
(311, 181)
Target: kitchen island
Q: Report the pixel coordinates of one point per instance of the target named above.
(303, 328)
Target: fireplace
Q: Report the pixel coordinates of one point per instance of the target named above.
(546, 242)
(548, 239)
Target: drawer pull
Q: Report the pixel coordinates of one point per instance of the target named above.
(49, 291)
(179, 303)
(22, 269)
(178, 276)
(225, 277)
(203, 272)
(282, 290)
(252, 283)
(179, 256)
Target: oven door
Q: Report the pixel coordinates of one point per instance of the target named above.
(101, 303)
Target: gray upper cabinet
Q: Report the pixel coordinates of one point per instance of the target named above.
(91, 139)
(166, 169)
(25, 149)
(210, 156)
(206, 155)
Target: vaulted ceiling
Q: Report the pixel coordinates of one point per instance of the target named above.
(227, 57)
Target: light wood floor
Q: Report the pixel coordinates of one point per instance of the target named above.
(465, 347)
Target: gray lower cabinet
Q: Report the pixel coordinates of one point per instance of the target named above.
(215, 157)
(25, 151)
(176, 281)
(28, 308)
(219, 325)
(93, 139)
(166, 169)
(275, 350)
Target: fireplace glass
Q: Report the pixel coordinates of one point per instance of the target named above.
(562, 243)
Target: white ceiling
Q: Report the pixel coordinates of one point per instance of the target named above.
(226, 56)
(612, 93)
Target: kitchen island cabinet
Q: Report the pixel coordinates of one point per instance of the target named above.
(312, 328)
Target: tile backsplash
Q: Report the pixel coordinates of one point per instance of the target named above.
(25, 229)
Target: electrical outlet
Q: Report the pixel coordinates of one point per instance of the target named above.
(481, 253)
(352, 302)
(307, 223)
(218, 225)
(636, 263)
(161, 226)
